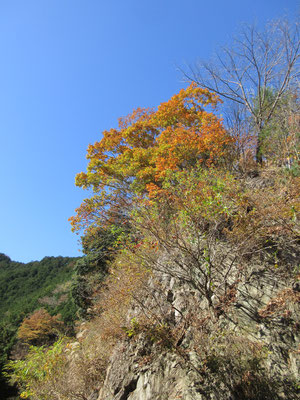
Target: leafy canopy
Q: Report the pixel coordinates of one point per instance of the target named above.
(135, 157)
(39, 327)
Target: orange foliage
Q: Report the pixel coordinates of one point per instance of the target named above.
(39, 327)
(136, 156)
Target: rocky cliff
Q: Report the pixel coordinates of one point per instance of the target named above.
(246, 348)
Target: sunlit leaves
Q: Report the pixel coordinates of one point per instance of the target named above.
(135, 157)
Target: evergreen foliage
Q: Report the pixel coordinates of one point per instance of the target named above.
(27, 287)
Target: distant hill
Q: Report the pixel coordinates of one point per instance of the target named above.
(27, 287)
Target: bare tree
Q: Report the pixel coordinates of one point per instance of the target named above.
(255, 64)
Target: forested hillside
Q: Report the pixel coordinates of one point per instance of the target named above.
(27, 287)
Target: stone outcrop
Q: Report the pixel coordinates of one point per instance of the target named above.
(262, 312)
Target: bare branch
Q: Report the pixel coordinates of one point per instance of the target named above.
(254, 64)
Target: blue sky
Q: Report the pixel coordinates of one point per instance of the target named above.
(68, 70)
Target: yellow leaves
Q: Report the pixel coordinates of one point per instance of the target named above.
(81, 179)
(148, 144)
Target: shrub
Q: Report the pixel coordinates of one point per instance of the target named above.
(39, 367)
(186, 220)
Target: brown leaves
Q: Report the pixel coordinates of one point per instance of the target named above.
(39, 327)
(280, 304)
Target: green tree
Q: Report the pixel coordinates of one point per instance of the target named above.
(280, 136)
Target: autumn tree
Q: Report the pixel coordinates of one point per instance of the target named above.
(245, 72)
(39, 327)
(136, 157)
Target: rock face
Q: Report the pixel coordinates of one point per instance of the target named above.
(143, 370)
(246, 349)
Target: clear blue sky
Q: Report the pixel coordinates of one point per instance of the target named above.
(68, 70)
